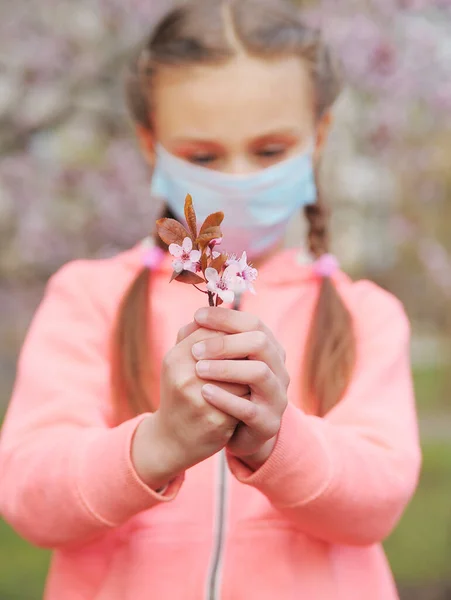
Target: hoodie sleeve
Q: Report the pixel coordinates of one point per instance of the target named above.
(347, 478)
(65, 474)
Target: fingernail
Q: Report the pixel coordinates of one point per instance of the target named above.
(202, 368)
(208, 391)
(201, 315)
(199, 350)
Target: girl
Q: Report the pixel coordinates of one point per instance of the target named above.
(169, 457)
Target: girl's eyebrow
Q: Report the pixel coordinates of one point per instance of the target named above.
(292, 132)
(189, 142)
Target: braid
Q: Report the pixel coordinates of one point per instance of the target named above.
(330, 353)
(131, 347)
(318, 237)
(317, 215)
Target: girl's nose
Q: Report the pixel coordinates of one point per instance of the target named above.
(239, 165)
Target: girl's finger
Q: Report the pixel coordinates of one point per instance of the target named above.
(255, 345)
(186, 331)
(237, 389)
(233, 321)
(192, 333)
(241, 409)
(256, 374)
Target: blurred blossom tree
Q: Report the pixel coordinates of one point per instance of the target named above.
(396, 56)
(72, 183)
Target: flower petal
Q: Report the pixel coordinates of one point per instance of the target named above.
(212, 275)
(243, 261)
(187, 245)
(237, 284)
(177, 265)
(226, 295)
(189, 266)
(175, 250)
(231, 271)
(211, 287)
(195, 255)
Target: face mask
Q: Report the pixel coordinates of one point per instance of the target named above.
(257, 207)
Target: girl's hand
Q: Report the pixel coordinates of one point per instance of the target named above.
(185, 429)
(265, 374)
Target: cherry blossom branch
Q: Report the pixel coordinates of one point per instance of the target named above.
(196, 260)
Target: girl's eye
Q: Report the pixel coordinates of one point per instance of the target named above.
(202, 159)
(271, 152)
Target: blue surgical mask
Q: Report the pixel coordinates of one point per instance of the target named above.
(257, 207)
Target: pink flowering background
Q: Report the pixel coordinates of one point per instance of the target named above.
(72, 184)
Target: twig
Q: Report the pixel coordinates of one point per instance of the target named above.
(203, 291)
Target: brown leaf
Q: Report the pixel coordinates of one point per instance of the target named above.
(212, 233)
(171, 231)
(203, 262)
(190, 216)
(189, 277)
(219, 262)
(213, 220)
(219, 301)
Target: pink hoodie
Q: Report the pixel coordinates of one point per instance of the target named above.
(308, 524)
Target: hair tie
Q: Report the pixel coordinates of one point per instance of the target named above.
(326, 265)
(153, 257)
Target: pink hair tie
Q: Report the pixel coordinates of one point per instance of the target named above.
(153, 257)
(326, 265)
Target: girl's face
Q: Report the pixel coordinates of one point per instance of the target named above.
(236, 118)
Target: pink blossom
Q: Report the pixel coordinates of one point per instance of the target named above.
(186, 259)
(211, 248)
(212, 253)
(244, 274)
(220, 284)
